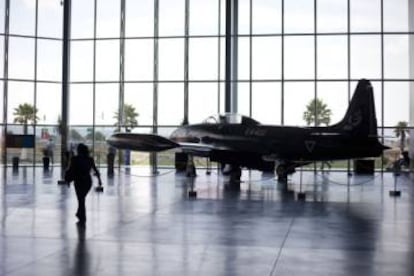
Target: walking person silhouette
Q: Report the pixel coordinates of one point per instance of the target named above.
(80, 169)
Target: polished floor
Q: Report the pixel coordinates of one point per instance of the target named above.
(143, 225)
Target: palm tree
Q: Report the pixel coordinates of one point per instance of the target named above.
(99, 136)
(75, 135)
(25, 114)
(130, 118)
(401, 131)
(317, 113)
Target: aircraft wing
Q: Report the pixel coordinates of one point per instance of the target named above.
(156, 143)
(200, 149)
(141, 142)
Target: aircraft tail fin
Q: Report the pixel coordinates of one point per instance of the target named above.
(360, 119)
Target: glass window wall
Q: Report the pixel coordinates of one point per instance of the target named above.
(326, 46)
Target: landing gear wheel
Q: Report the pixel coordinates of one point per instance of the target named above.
(281, 172)
(235, 175)
(192, 194)
(234, 178)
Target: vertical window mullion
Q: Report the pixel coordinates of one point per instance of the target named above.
(219, 57)
(186, 60)
(153, 156)
(282, 101)
(5, 77)
(315, 59)
(382, 80)
(94, 74)
(35, 75)
(349, 63)
(250, 59)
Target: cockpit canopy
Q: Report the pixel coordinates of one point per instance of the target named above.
(230, 118)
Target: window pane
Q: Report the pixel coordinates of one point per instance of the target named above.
(266, 105)
(81, 61)
(266, 58)
(81, 98)
(171, 59)
(203, 17)
(82, 16)
(49, 102)
(46, 135)
(203, 98)
(335, 96)
(267, 16)
(396, 15)
(1, 120)
(297, 96)
(1, 56)
(21, 58)
(170, 103)
(1, 104)
(101, 147)
(244, 16)
(18, 93)
(22, 17)
(78, 135)
(171, 17)
(139, 18)
(243, 62)
(107, 60)
(396, 56)
(396, 103)
(106, 103)
(2, 12)
(140, 95)
(366, 16)
(108, 18)
(49, 60)
(243, 98)
(332, 57)
(299, 58)
(332, 16)
(365, 57)
(50, 18)
(377, 100)
(139, 59)
(299, 16)
(203, 59)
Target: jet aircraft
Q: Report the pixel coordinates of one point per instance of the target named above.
(242, 142)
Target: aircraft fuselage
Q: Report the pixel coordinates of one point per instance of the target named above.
(280, 142)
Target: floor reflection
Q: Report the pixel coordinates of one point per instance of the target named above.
(145, 225)
(82, 257)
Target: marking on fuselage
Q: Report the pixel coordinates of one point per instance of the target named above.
(310, 145)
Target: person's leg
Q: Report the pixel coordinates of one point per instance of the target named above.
(80, 195)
